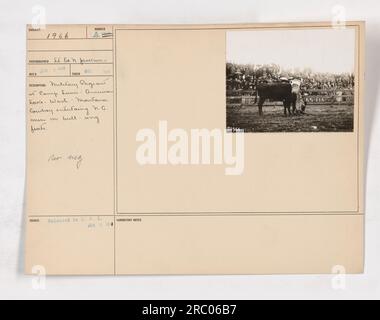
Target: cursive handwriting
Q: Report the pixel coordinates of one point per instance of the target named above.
(77, 159)
(68, 102)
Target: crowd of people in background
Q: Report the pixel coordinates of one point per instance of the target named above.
(246, 77)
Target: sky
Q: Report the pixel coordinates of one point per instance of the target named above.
(322, 50)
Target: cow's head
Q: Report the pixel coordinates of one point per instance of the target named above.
(296, 85)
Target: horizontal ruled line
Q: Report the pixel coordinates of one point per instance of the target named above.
(105, 38)
(82, 75)
(198, 215)
(71, 215)
(241, 213)
(63, 63)
(72, 50)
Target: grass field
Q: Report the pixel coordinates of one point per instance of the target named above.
(325, 118)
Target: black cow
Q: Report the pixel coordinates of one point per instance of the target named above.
(277, 92)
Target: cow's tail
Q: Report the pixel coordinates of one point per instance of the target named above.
(257, 93)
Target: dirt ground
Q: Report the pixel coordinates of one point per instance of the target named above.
(326, 118)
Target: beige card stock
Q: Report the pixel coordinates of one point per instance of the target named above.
(146, 152)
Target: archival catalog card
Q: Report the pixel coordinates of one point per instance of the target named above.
(195, 149)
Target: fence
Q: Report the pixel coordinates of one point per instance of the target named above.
(314, 96)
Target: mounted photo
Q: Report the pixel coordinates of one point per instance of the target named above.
(290, 80)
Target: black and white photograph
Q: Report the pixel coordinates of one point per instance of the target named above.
(190, 158)
(290, 80)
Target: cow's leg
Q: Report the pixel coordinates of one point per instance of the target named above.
(294, 103)
(261, 102)
(286, 107)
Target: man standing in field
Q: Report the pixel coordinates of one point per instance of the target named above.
(296, 89)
